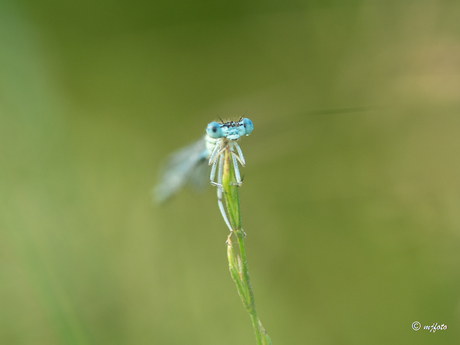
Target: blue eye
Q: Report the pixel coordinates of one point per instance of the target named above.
(248, 126)
(214, 130)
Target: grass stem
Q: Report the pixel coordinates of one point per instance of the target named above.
(238, 265)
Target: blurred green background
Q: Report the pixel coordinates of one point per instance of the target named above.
(351, 197)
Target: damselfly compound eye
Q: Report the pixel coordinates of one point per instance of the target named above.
(248, 126)
(214, 130)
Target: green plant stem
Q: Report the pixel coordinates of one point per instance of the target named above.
(247, 284)
(238, 264)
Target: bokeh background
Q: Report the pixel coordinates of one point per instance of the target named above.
(351, 196)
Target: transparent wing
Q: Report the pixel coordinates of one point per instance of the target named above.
(199, 176)
(182, 166)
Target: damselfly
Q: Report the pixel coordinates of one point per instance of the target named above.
(188, 164)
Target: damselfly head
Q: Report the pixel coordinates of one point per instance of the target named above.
(230, 130)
